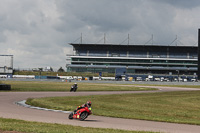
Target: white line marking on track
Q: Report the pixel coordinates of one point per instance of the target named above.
(23, 103)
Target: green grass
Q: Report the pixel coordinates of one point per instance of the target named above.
(65, 86)
(84, 74)
(38, 127)
(184, 86)
(176, 107)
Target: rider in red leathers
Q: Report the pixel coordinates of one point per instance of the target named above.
(88, 104)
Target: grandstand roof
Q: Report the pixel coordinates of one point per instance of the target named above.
(118, 47)
(130, 45)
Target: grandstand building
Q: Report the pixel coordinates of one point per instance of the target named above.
(137, 59)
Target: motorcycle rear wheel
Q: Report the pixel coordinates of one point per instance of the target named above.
(83, 116)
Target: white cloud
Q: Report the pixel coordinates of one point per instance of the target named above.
(37, 32)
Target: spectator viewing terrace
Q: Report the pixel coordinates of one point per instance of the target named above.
(159, 59)
(141, 51)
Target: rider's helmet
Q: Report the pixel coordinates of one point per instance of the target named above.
(89, 103)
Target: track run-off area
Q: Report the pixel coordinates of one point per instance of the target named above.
(9, 109)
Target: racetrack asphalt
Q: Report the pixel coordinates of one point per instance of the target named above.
(8, 109)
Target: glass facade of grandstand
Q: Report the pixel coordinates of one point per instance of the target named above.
(137, 59)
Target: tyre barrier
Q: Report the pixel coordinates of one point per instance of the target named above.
(5, 87)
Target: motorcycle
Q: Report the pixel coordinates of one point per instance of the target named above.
(73, 88)
(81, 114)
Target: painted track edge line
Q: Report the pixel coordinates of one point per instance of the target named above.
(23, 103)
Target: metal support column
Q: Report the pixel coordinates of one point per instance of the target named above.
(198, 73)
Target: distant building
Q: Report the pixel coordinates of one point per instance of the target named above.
(6, 64)
(137, 59)
(48, 69)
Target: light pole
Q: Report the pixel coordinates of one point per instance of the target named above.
(40, 70)
(178, 74)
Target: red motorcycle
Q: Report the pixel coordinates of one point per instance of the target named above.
(81, 114)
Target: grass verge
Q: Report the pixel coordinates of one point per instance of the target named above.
(38, 127)
(84, 74)
(183, 86)
(65, 86)
(176, 107)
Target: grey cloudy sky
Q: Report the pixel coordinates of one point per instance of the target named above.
(37, 32)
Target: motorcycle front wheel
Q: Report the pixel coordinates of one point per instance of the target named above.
(70, 116)
(84, 115)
